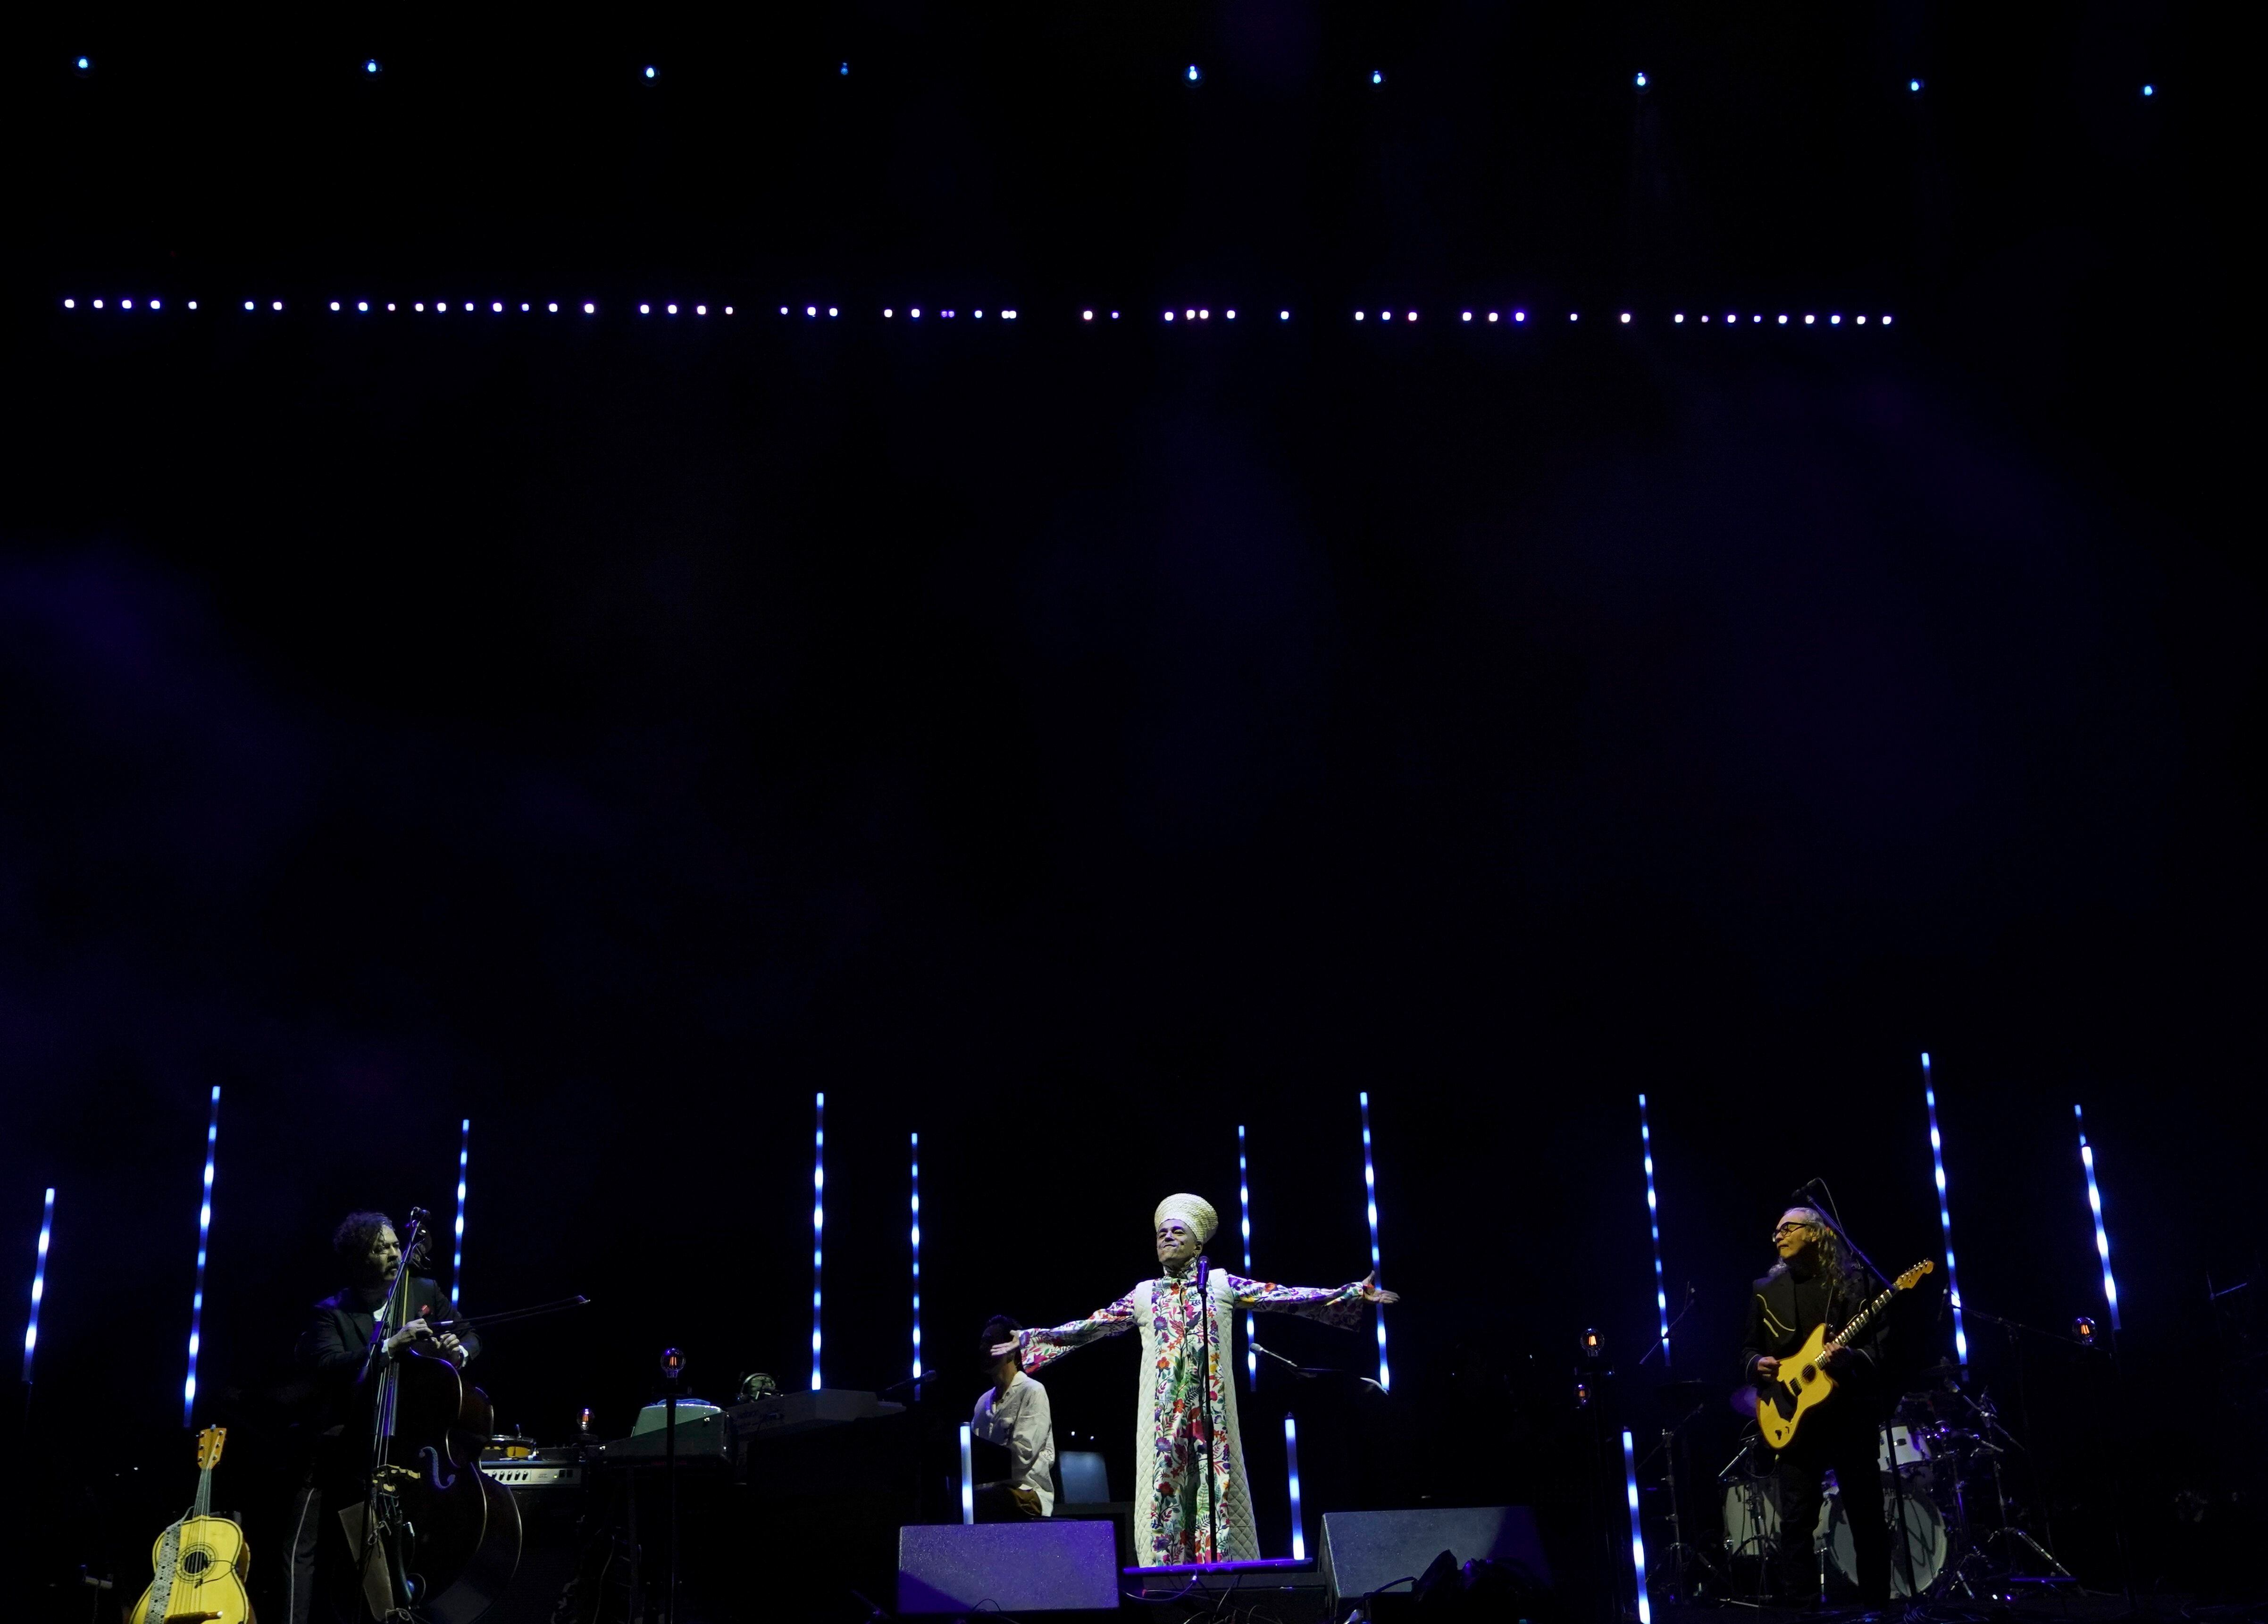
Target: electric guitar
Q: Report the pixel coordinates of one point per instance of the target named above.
(1785, 1400)
(200, 1563)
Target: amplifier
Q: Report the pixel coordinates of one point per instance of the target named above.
(1365, 1551)
(534, 1474)
(1007, 1568)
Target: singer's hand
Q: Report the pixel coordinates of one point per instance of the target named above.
(1001, 1351)
(452, 1350)
(1372, 1294)
(416, 1331)
(1768, 1366)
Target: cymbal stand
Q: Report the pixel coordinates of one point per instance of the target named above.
(1679, 1559)
(1758, 1545)
(1978, 1561)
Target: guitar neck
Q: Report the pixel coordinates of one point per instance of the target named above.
(1865, 1317)
(204, 1494)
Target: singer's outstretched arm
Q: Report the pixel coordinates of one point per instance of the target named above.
(1335, 1305)
(1045, 1346)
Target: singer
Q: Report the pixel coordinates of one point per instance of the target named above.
(1185, 1409)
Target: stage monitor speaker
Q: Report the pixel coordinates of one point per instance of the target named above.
(1365, 1550)
(1014, 1568)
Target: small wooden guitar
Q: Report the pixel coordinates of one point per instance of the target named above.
(1785, 1400)
(200, 1563)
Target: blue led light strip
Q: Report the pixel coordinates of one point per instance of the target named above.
(1654, 1224)
(916, 1243)
(204, 1233)
(2095, 1205)
(464, 1161)
(1944, 1212)
(1370, 1200)
(1292, 1470)
(1244, 1212)
(1637, 1534)
(968, 1479)
(39, 1283)
(818, 1219)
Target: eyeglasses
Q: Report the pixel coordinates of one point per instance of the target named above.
(1798, 1228)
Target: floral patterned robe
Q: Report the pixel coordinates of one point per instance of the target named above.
(1181, 1403)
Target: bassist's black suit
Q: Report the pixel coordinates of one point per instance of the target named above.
(1839, 1435)
(338, 1350)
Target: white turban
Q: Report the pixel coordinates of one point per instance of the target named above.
(1193, 1210)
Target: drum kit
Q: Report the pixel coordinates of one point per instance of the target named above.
(1941, 1457)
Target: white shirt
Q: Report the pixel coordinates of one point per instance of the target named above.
(1021, 1420)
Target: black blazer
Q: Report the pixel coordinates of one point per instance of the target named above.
(1776, 1328)
(336, 1349)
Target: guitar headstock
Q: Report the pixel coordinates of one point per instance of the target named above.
(209, 1443)
(1912, 1278)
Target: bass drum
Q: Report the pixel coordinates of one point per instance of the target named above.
(1925, 1539)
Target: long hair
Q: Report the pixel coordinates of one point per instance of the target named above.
(1845, 1279)
(1841, 1269)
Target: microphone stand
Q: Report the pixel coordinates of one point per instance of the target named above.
(1310, 1371)
(1212, 1505)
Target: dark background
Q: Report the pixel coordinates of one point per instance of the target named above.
(1071, 741)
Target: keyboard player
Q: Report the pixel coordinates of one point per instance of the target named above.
(1013, 1415)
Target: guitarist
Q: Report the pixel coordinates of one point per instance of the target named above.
(340, 1350)
(1817, 1282)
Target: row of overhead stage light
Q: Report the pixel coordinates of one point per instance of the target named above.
(651, 73)
(832, 312)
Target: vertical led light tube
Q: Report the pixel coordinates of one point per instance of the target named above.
(916, 1242)
(1370, 1200)
(1292, 1471)
(2095, 1205)
(968, 1477)
(39, 1281)
(1244, 1217)
(818, 1219)
(1944, 1212)
(1654, 1224)
(1637, 1534)
(204, 1234)
(464, 1161)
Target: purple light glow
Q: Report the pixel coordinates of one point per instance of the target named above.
(1244, 1225)
(818, 1219)
(1654, 1224)
(914, 1142)
(2095, 1206)
(204, 1234)
(464, 1161)
(39, 1281)
(1944, 1211)
(1370, 1200)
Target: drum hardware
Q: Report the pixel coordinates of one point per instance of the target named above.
(1751, 1523)
(1918, 1558)
(1687, 1568)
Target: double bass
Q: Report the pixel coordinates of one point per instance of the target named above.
(439, 1538)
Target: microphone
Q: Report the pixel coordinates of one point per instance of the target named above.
(1803, 1190)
